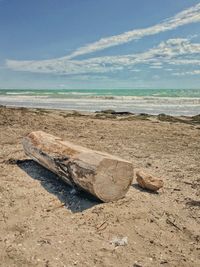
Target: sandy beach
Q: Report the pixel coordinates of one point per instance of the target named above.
(43, 222)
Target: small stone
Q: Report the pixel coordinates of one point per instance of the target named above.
(149, 182)
(137, 265)
(119, 241)
(163, 262)
(148, 164)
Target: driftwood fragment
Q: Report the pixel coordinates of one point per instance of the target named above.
(148, 181)
(105, 176)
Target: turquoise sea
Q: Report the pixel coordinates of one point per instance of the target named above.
(152, 101)
(103, 92)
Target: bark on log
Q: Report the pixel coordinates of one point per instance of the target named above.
(105, 176)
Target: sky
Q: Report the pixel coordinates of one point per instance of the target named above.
(75, 44)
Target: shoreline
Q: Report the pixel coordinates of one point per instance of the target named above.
(174, 106)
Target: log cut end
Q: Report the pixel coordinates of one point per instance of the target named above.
(113, 179)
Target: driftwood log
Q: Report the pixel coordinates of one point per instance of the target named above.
(105, 176)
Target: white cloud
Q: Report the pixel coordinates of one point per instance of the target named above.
(185, 62)
(156, 67)
(166, 52)
(60, 66)
(157, 64)
(190, 15)
(194, 72)
(156, 77)
(135, 70)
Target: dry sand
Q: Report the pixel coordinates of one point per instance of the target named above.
(43, 222)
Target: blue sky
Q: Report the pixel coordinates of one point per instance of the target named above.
(99, 44)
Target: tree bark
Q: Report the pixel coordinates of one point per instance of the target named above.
(105, 176)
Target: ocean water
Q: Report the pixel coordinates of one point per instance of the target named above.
(151, 101)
